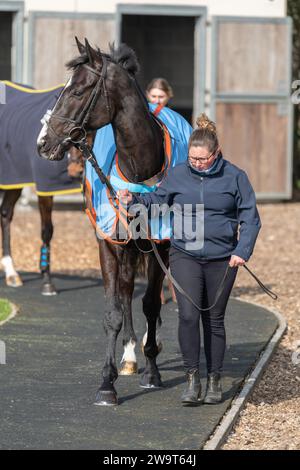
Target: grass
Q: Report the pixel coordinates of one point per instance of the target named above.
(5, 309)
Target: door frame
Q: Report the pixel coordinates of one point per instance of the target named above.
(282, 98)
(200, 13)
(17, 8)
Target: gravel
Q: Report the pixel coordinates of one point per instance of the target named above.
(271, 419)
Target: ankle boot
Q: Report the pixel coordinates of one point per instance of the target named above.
(213, 393)
(192, 393)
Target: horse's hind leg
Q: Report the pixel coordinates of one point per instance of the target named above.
(45, 206)
(151, 306)
(10, 198)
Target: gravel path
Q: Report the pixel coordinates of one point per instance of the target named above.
(271, 419)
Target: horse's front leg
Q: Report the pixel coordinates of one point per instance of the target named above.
(45, 206)
(151, 307)
(10, 198)
(126, 288)
(110, 260)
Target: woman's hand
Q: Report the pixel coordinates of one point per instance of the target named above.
(125, 196)
(236, 261)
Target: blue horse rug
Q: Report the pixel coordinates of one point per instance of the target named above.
(102, 214)
(20, 125)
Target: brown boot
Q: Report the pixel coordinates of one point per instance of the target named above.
(192, 393)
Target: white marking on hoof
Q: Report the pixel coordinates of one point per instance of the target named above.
(128, 368)
(129, 352)
(13, 281)
(128, 361)
(12, 278)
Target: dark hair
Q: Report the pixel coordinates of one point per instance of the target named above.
(205, 135)
(161, 84)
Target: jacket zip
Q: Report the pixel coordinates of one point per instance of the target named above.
(202, 202)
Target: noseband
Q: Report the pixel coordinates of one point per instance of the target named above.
(81, 121)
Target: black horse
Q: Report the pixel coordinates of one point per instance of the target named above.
(103, 90)
(20, 166)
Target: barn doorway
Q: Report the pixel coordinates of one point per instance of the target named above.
(165, 48)
(6, 19)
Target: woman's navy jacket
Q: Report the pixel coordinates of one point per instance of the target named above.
(227, 202)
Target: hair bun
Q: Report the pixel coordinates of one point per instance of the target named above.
(203, 122)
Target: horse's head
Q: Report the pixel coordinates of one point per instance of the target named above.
(87, 102)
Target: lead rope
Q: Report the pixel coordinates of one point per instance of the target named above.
(180, 289)
(220, 288)
(261, 285)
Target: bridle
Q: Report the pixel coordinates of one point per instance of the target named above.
(78, 131)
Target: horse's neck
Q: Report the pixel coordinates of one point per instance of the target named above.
(139, 142)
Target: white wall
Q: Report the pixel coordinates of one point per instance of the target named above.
(275, 8)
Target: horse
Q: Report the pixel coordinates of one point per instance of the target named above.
(20, 166)
(102, 90)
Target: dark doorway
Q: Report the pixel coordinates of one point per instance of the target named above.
(5, 45)
(165, 48)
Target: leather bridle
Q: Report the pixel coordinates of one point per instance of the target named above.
(78, 131)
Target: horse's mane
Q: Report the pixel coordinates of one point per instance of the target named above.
(122, 55)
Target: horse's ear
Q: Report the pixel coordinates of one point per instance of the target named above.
(91, 53)
(80, 46)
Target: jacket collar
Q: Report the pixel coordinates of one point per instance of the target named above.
(214, 169)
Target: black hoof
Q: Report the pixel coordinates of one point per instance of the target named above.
(106, 398)
(151, 382)
(48, 289)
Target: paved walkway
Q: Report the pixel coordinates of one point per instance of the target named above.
(55, 350)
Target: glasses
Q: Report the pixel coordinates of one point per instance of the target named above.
(202, 159)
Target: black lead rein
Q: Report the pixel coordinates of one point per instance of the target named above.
(89, 156)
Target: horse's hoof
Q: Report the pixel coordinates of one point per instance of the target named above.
(48, 289)
(128, 368)
(154, 382)
(106, 398)
(151, 386)
(14, 281)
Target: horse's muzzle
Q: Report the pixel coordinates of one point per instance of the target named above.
(51, 153)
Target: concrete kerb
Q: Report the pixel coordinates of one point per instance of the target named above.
(224, 428)
(14, 311)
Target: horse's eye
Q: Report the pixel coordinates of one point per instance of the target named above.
(76, 93)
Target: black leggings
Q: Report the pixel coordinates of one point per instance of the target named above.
(201, 280)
